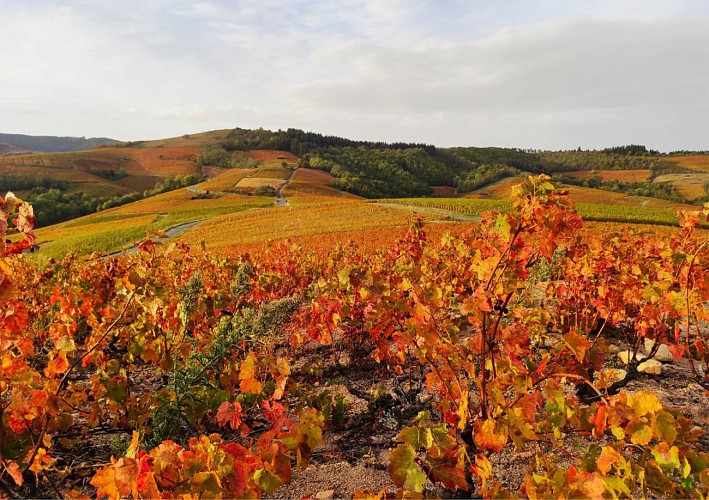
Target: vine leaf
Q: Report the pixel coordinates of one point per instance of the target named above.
(404, 471)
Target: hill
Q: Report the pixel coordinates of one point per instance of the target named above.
(53, 144)
(65, 185)
(82, 182)
(10, 150)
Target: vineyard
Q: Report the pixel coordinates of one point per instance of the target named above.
(588, 211)
(177, 372)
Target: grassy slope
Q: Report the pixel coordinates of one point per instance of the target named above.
(145, 164)
(690, 185)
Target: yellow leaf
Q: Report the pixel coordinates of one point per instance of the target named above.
(133, 448)
(645, 403)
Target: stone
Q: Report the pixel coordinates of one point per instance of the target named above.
(325, 495)
(651, 367)
(663, 352)
(626, 356)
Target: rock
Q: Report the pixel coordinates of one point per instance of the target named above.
(651, 367)
(626, 356)
(663, 352)
(325, 495)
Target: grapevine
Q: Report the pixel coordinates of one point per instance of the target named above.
(198, 362)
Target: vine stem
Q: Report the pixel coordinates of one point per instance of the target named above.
(65, 378)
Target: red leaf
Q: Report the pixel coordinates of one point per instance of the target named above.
(229, 413)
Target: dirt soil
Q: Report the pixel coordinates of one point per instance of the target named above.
(356, 455)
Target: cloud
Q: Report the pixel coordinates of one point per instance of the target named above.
(611, 75)
(561, 65)
(548, 74)
(200, 112)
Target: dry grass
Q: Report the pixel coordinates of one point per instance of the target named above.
(250, 183)
(273, 172)
(309, 182)
(588, 195)
(499, 190)
(181, 200)
(691, 186)
(502, 189)
(696, 162)
(191, 140)
(227, 179)
(271, 155)
(83, 170)
(611, 175)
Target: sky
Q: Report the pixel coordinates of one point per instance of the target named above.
(543, 74)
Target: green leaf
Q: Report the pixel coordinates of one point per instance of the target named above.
(666, 427)
(404, 471)
(206, 481)
(442, 438)
(617, 484)
(344, 277)
(267, 481)
(502, 227)
(116, 392)
(666, 455)
(416, 437)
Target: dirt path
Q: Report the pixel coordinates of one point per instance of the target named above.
(445, 215)
(169, 233)
(280, 199)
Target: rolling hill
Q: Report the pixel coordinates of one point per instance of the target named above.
(254, 167)
(53, 144)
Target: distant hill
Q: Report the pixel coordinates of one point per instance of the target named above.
(11, 150)
(65, 184)
(54, 144)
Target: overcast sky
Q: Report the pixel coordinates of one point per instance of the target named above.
(532, 74)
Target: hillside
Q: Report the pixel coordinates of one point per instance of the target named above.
(11, 150)
(378, 169)
(54, 144)
(70, 184)
(66, 185)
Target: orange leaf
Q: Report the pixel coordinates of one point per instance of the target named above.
(489, 435)
(606, 459)
(56, 366)
(14, 470)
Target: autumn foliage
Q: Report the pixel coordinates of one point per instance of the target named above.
(195, 358)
